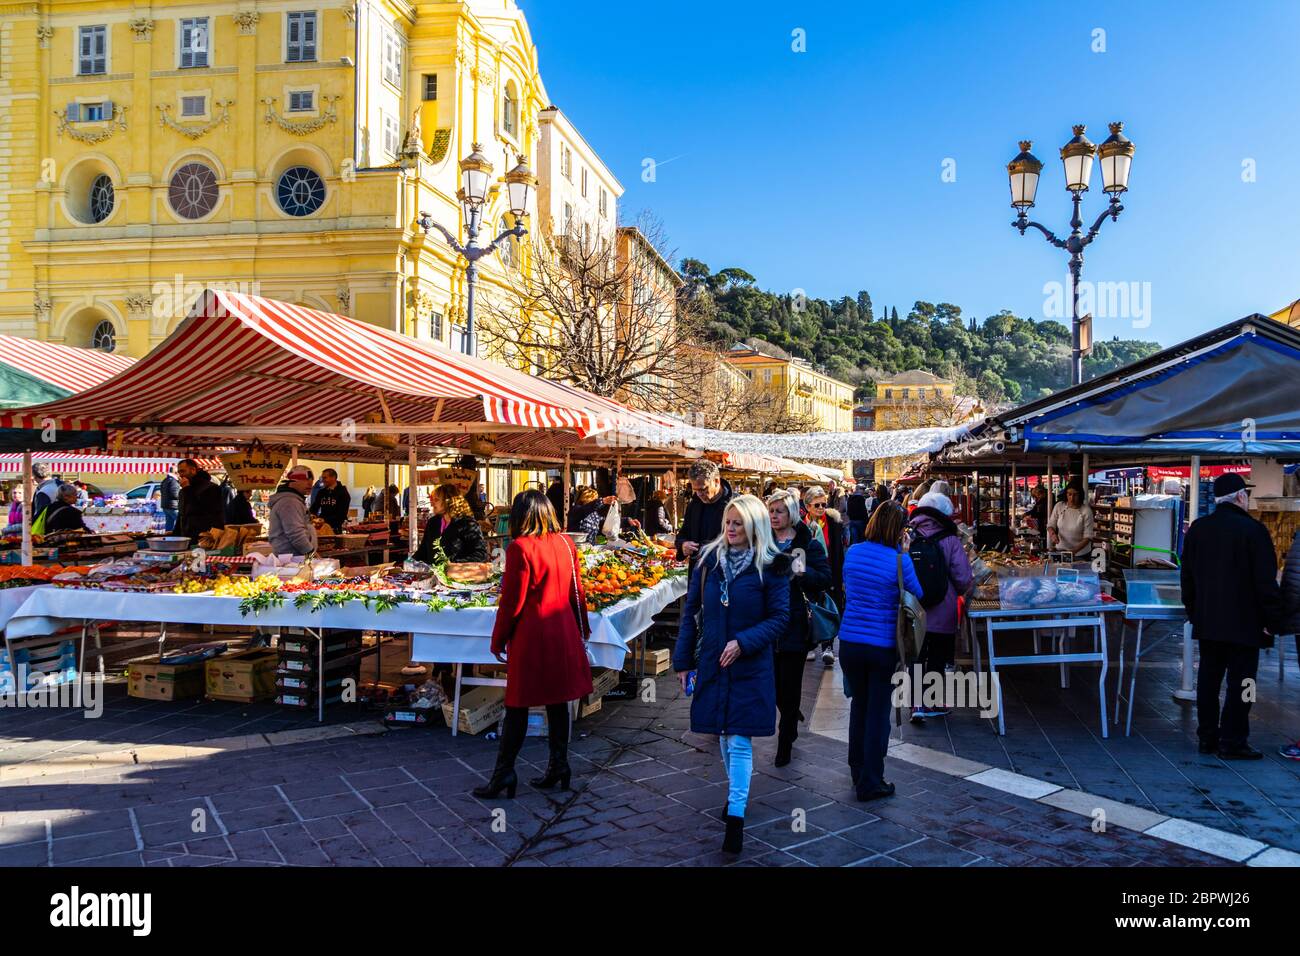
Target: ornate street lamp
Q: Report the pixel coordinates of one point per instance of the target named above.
(476, 177)
(1116, 155)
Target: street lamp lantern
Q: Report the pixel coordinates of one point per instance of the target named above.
(520, 183)
(476, 176)
(1024, 171)
(1077, 156)
(475, 172)
(1116, 154)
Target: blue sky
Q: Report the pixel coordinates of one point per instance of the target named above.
(822, 170)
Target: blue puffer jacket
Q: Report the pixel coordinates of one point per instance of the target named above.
(871, 593)
(740, 699)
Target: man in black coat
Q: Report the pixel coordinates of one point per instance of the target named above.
(333, 501)
(1229, 580)
(703, 519)
(201, 505)
(1291, 620)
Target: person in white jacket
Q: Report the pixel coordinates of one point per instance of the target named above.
(291, 529)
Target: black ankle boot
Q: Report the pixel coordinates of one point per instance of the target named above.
(502, 779)
(503, 774)
(735, 838)
(784, 747)
(557, 771)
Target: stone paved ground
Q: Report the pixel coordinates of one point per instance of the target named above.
(1054, 735)
(647, 793)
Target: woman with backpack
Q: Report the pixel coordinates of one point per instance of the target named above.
(810, 575)
(737, 608)
(869, 642)
(945, 574)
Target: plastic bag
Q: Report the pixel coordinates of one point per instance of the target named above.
(613, 522)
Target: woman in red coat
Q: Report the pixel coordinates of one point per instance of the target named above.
(540, 629)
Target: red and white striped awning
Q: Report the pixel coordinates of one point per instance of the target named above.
(68, 368)
(12, 464)
(242, 366)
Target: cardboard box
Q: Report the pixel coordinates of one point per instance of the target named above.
(480, 709)
(243, 677)
(154, 681)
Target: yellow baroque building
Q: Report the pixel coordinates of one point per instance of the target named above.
(279, 148)
(824, 402)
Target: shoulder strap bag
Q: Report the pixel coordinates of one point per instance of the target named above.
(910, 631)
(578, 605)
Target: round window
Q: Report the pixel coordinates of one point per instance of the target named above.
(104, 338)
(101, 198)
(300, 191)
(193, 191)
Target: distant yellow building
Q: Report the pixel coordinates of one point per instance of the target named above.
(1289, 315)
(916, 399)
(825, 402)
(282, 149)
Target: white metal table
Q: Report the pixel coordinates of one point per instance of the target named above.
(1072, 618)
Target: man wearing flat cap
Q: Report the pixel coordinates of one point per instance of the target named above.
(1230, 590)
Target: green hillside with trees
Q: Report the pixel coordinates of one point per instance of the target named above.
(1003, 359)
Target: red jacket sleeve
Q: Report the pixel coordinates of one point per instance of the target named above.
(514, 596)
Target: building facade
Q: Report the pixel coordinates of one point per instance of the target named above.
(916, 399)
(277, 148)
(825, 402)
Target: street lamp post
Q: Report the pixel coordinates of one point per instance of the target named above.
(476, 174)
(1116, 155)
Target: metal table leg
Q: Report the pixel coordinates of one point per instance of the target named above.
(455, 707)
(1132, 687)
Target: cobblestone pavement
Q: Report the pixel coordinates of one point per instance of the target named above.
(647, 792)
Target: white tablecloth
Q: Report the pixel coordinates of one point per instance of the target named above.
(611, 630)
(443, 636)
(11, 599)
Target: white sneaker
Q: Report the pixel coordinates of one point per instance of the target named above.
(828, 657)
(812, 655)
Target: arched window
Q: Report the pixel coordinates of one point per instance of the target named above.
(510, 111)
(101, 198)
(507, 246)
(104, 338)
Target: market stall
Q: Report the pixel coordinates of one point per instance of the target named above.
(241, 369)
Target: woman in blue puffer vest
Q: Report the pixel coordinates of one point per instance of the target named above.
(868, 642)
(737, 608)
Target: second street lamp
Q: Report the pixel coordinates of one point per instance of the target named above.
(1116, 155)
(476, 175)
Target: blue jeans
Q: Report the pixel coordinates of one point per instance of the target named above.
(738, 759)
(857, 532)
(170, 515)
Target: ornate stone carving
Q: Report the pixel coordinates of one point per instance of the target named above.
(139, 304)
(247, 21)
(412, 144)
(193, 130)
(97, 135)
(42, 305)
(142, 27)
(344, 295)
(350, 14)
(307, 126)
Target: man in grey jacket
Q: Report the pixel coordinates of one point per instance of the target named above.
(291, 529)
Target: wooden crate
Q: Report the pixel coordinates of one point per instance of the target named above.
(658, 660)
(480, 709)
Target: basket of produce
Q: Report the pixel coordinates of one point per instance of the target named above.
(468, 575)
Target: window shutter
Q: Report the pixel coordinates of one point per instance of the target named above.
(73, 113)
(101, 41)
(108, 109)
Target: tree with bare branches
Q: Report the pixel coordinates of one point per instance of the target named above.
(604, 315)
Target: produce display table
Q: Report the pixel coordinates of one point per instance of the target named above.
(612, 630)
(449, 636)
(997, 619)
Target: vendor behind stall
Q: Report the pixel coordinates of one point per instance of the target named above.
(291, 529)
(239, 509)
(1070, 526)
(201, 505)
(333, 501)
(460, 536)
(63, 514)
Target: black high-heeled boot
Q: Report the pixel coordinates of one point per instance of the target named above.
(504, 777)
(784, 748)
(734, 841)
(557, 770)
